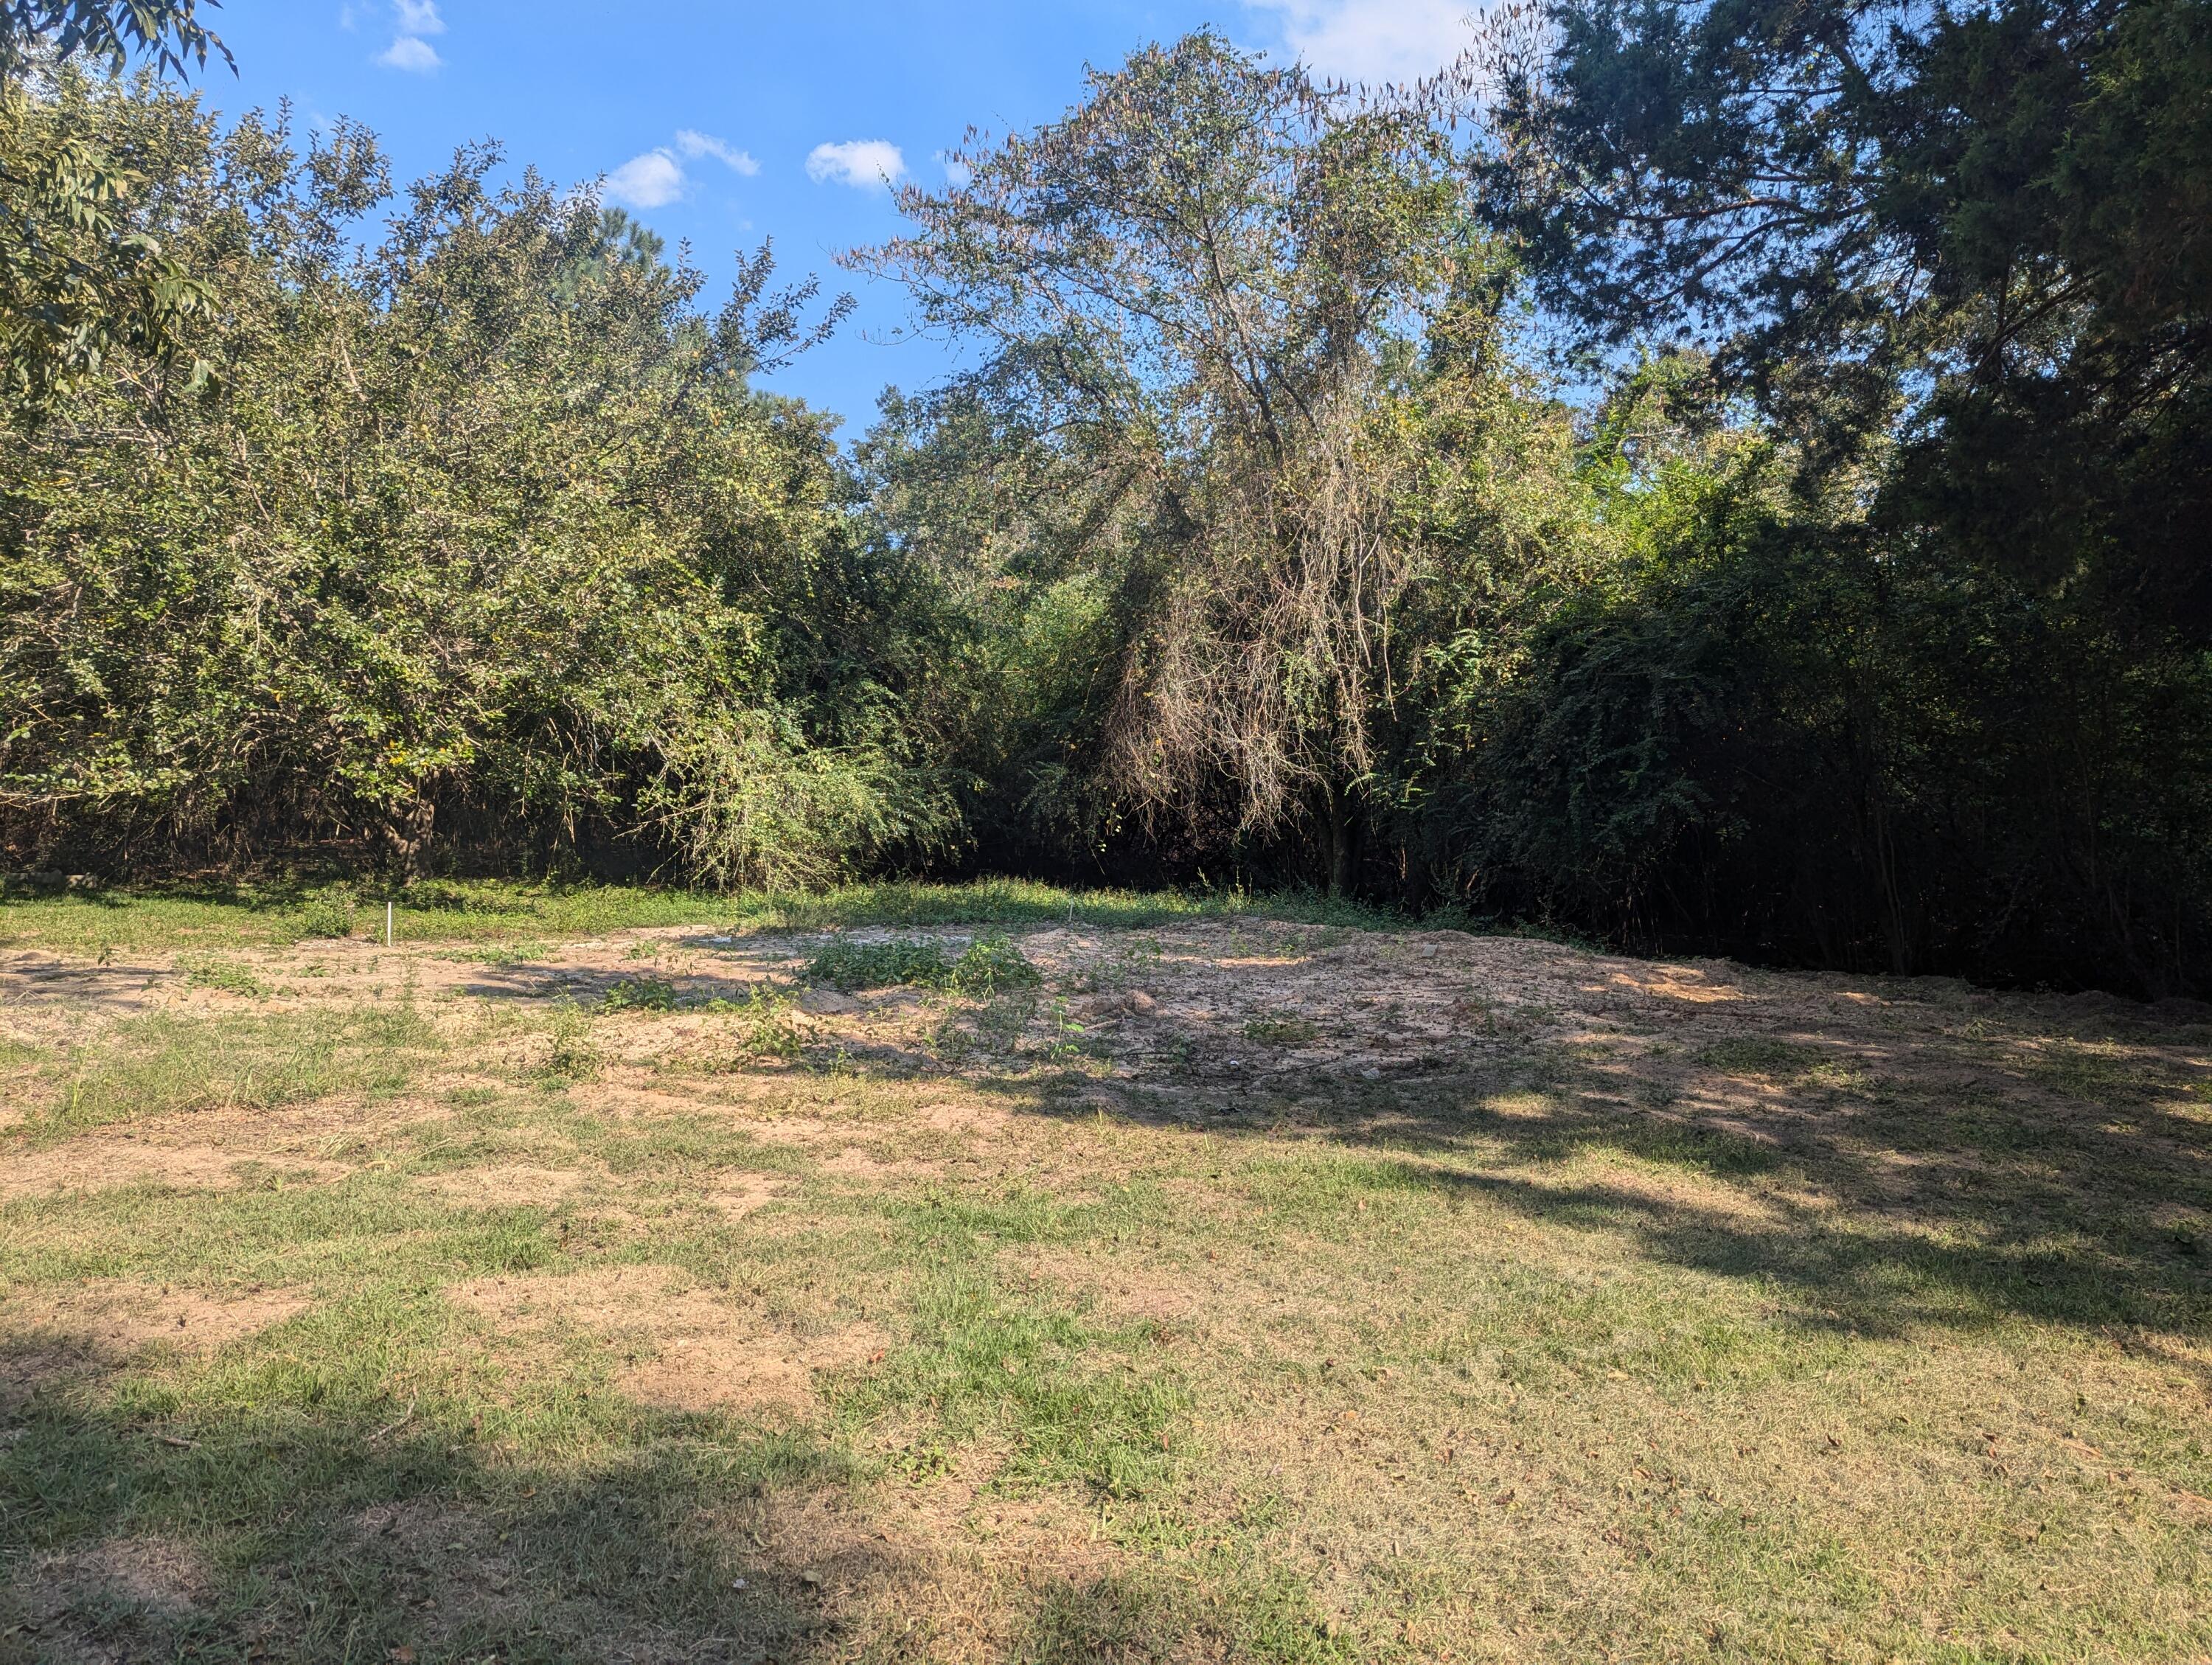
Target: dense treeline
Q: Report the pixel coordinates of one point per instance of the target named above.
(1744, 491)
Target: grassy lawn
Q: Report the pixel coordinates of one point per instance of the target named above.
(617, 1275)
(100, 925)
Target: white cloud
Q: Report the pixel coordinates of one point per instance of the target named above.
(652, 180)
(864, 164)
(419, 17)
(412, 53)
(1375, 40)
(957, 174)
(695, 145)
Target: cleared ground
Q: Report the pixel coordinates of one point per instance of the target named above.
(601, 1283)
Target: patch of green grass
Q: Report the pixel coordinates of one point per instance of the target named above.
(228, 975)
(1282, 1031)
(1760, 1055)
(159, 1064)
(524, 915)
(1467, 1367)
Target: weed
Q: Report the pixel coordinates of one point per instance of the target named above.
(1067, 1034)
(855, 965)
(1283, 1031)
(640, 994)
(331, 912)
(571, 1055)
(988, 965)
(228, 975)
(763, 1028)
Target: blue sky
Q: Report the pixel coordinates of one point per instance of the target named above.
(724, 121)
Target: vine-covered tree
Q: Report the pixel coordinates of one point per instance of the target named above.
(1200, 284)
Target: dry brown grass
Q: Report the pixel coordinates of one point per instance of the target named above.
(1246, 1291)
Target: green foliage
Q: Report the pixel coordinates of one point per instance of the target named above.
(639, 994)
(81, 274)
(539, 619)
(985, 968)
(205, 971)
(332, 911)
(109, 32)
(1844, 603)
(763, 1022)
(853, 965)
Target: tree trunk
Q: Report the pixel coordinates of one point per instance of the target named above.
(1340, 832)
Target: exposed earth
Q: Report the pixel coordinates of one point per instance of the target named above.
(1235, 1289)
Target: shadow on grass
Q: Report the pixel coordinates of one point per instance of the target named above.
(312, 1535)
(1878, 1212)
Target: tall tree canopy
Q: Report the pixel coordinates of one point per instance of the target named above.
(1984, 230)
(1205, 286)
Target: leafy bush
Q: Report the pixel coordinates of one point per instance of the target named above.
(851, 965)
(989, 965)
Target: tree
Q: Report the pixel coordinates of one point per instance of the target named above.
(1983, 234)
(1196, 284)
(483, 531)
(169, 33)
(79, 277)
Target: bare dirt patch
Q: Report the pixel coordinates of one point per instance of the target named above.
(106, 1164)
(1122, 1291)
(60, 1334)
(159, 1574)
(682, 1346)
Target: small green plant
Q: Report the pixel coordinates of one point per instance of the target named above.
(763, 1028)
(332, 911)
(1067, 1034)
(988, 965)
(854, 965)
(228, 975)
(1282, 1031)
(572, 1057)
(640, 994)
